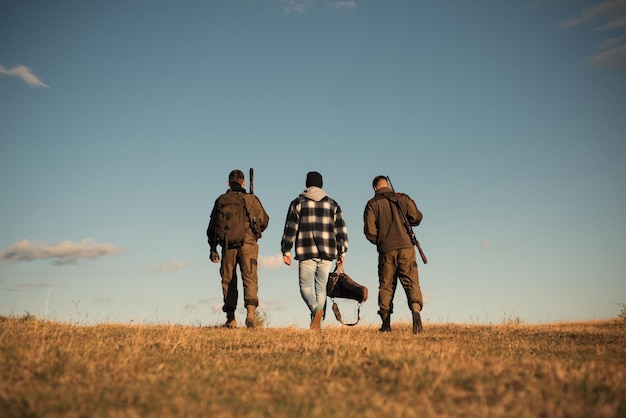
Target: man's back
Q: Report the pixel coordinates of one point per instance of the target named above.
(315, 222)
(383, 223)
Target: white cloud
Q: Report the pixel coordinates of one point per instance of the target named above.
(613, 24)
(343, 4)
(427, 298)
(66, 252)
(613, 43)
(303, 6)
(299, 6)
(272, 305)
(172, 265)
(613, 12)
(209, 301)
(613, 58)
(23, 72)
(608, 15)
(271, 262)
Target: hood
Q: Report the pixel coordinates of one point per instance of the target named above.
(313, 193)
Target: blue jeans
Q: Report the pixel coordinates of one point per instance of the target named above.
(313, 275)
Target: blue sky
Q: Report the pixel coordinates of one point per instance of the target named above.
(119, 123)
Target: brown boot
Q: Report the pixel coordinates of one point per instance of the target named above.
(230, 320)
(316, 322)
(250, 318)
(417, 318)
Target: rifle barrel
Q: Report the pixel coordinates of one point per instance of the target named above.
(251, 180)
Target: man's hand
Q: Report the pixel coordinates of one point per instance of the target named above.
(287, 259)
(215, 257)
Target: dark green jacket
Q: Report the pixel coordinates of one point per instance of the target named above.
(383, 224)
(258, 219)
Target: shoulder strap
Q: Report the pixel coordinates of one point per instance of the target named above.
(395, 204)
(338, 314)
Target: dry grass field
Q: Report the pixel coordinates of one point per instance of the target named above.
(50, 369)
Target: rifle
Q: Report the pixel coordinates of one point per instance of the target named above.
(253, 224)
(407, 224)
(251, 180)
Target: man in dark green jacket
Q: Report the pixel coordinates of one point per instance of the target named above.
(384, 226)
(244, 253)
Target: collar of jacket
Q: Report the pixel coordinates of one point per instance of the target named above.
(384, 190)
(236, 187)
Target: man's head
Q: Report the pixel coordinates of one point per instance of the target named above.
(313, 178)
(236, 176)
(379, 181)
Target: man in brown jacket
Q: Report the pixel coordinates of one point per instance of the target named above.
(252, 220)
(384, 226)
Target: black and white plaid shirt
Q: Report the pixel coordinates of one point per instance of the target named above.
(317, 228)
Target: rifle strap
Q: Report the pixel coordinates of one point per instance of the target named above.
(395, 204)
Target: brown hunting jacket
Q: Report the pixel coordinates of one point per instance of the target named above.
(383, 224)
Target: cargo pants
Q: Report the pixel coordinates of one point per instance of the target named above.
(246, 258)
(397, 265)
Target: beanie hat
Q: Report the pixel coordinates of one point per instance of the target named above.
(313, 178)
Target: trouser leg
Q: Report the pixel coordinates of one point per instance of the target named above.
(321, 281)
(248, 254)
(408, 275)
(229, 279)
(386, 282)
(306, 278)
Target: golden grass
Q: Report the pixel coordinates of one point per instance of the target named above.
(50, 369)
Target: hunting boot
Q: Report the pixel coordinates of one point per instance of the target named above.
(230, 320)
(417, 318)
(386, 317)
(316, 319)
(250, 318)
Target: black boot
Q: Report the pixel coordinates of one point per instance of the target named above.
(386, 326)
(230, 320)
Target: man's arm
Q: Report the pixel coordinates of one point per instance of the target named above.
(369, 224)
(211, 238)
(414, 217)
(413, 214)
(291, 229)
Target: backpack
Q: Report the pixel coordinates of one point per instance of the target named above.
(232, 217)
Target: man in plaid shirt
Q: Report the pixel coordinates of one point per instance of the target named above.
(315, 223)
